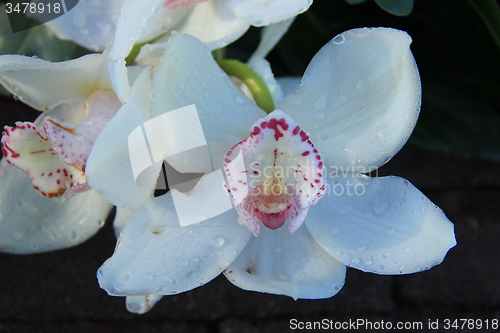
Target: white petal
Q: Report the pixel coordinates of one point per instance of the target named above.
(166, 21)
(30, 223)
(73, 143)
(42, 84)
(155, 255)
(270, 36)
(137, 19)
(90, 23)
(380, 225)
(213, 24)
(265, 12)
(359, 98)
(263, 69)
(189, 75)
(142, 303)
(293, 265)
(109, 168)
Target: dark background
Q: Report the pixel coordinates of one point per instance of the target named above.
(451, 159)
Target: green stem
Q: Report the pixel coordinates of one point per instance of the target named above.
(252, 80)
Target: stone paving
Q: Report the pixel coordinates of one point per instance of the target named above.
(58, 291)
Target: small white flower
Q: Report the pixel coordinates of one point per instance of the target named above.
(355, 108)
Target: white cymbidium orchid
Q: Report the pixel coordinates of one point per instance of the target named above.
(355, 108)
(77, 100)
(93, 23)
(96, 24)
(217, 23)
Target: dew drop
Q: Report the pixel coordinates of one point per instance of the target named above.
(380, 205)
(126, 277)
(382, 267)
(392, 231)
(217, 241)
(407, 250)
(355, 260)
(361, 85)
(320, 116)
(361, 248)
(239, 100)
(154, 95)
(337, 253)
(339, 39)
(320, 104)
(73, 234)
(283, 277)
(79, 21)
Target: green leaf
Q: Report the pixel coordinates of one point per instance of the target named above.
(396, 7)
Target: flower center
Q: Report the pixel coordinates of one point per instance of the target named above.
(275, 175)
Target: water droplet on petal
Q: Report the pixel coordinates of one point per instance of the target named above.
(320, 104)
(126, 277)
(239, 100)
(217, 241)
(339, 39)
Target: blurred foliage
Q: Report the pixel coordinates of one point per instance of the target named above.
(394, 7)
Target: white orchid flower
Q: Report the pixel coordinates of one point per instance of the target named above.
(77, 100)
(355, 108)
(123, 23)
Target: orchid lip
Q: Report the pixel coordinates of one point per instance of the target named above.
(275, 175)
